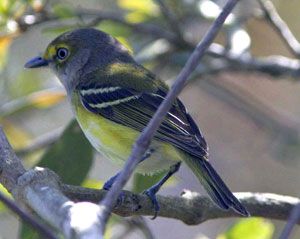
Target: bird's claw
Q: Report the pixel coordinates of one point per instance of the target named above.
(151, 193)
(120, 200)
(121, 197)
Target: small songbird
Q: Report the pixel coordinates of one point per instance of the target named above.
(113, 98)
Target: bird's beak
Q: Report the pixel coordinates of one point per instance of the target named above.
(36, 62)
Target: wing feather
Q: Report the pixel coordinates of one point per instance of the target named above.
(134, 109)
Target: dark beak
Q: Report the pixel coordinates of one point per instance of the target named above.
(36, 62)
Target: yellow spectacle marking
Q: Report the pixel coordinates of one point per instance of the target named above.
(52, 49)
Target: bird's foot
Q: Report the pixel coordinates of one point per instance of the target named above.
(151, 193)
(107, 186)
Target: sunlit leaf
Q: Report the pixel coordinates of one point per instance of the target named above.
(17, 136)
(7, 194)
(4, 6)
(92, 183)
(139, 11)
(45, 99)
(41, 100)
(5, 42)
(71, 156)
(146, 6)
(136, 17)
(252, 228)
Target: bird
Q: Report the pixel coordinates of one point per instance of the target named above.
(113, 98)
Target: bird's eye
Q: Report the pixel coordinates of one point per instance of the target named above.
(62, 53)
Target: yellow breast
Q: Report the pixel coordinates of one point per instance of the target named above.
(115, 141)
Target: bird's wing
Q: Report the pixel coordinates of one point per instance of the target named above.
(135, 109)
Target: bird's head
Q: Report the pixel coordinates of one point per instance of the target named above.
(79, 52)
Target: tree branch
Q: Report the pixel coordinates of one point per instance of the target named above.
(191, 208)
(280, 26)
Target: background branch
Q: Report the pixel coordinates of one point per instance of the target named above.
(280, 26)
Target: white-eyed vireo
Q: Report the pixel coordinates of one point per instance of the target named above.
(113, 98)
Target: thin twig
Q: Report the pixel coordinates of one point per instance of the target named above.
(280, 26)
(26, 217)
(294, 219)
(174, 24)
(144, 139)
(41, 142)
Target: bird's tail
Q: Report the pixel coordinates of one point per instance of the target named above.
(214, 185)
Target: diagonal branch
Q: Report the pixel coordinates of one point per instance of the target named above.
(37, 225)
(292, 221)
(144, 139)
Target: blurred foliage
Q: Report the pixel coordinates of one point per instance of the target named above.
(139, 11)
(39, 100)
(5, 42)
(251, 228)
(27, 232)
(142, 182)
(71, 156)
(62, 11)
(17, 136)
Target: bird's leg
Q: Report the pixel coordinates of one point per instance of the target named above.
(108, 184)
(151, 192)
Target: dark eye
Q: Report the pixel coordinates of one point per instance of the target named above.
(62, 53)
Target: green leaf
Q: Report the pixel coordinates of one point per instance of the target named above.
(71, 156)
(143, 182)
(27, 232)
(25, 83)
(139, 11)
(252, 228)
(4, 191)
(63, 11)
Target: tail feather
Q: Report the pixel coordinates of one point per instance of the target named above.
(214, 185)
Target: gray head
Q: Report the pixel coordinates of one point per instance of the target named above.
(79, 52)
